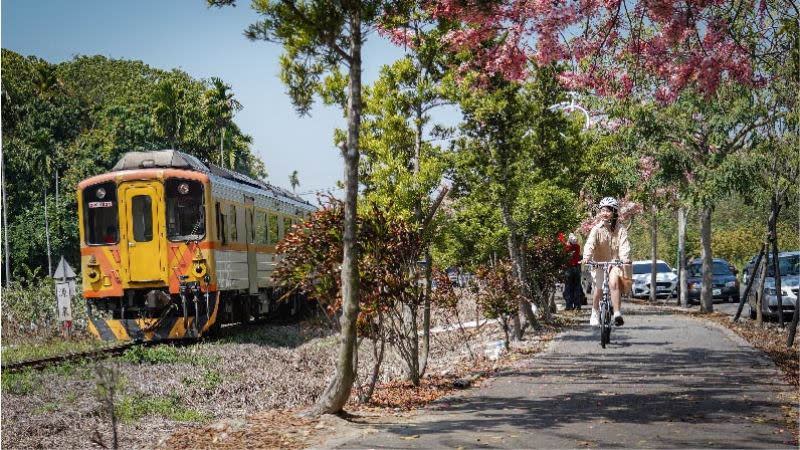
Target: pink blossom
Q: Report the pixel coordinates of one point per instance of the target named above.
(690, 43)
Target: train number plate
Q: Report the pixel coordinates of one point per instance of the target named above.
(100, 204)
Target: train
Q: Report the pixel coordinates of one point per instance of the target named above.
(173, 248)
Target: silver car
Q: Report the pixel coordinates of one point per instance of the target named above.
(666, 279)
(789, 264)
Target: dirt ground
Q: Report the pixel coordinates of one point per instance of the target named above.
(227, 387)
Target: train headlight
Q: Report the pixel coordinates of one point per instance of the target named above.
(183, 188)
(92, 270)
(93, 275)
(101, 193)
(199, 270)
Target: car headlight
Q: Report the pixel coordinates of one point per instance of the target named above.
(730, 284)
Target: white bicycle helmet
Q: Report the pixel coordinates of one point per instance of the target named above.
(611, 202)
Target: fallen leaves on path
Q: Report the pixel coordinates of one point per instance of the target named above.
(267, 430)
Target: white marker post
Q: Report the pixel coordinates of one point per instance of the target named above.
(65, 290)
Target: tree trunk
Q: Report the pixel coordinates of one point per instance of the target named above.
(519, 272)
(706, 297)
(426, 316)
(793, 327)
(221, 147)
(749, 287)
(760, 290)
(377, 354)
(426, 299)
(682, 272)
(337, 392)
(773, 235)
(653, 252)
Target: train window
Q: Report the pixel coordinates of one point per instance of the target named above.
(273, 229)
(100, 214)
(261, 227)
(287, 225)
(220, 224)
(186, 218)
(142, 216)
(234, 235)
(250, 226)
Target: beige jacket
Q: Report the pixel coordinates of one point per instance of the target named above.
(604, 245)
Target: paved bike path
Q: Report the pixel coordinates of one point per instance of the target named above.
(664, 381)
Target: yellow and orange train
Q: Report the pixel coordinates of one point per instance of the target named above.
(172, 247)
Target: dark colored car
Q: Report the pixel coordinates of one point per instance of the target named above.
(725, 286)
(747, 272)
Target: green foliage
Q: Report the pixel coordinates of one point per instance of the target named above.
(389, 249)
(516, 158)
(131, 408)
(20, 383)
(396, 117)
(209, 381)
(472, 234)
(29, 308)
(72, 120)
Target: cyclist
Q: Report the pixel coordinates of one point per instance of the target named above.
(608, 241)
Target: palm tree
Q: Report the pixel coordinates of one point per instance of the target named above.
(220, 107)
(168, 112)
(293, 180)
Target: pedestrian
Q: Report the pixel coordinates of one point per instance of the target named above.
(572, 279)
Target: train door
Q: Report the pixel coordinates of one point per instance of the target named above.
(144, 231)
(250, 236)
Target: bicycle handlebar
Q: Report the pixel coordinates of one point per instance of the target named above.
(614, 262)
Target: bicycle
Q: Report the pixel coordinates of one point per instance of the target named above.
(606, 308)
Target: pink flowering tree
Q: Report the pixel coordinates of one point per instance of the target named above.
(614, 47)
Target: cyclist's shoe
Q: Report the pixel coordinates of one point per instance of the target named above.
(618, 321)
(594, 320)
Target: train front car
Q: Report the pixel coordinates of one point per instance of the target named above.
(146, 259)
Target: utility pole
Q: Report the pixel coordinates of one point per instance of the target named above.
(5, 222)
(47, 235)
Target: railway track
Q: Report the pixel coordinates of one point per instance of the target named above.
(95, 354)
(105, 352)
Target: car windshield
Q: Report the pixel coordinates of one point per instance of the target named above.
(789, 265)
(640, 268)
(720, 268)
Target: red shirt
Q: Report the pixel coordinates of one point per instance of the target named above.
(574, 248)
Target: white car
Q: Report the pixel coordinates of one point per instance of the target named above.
(666, 279)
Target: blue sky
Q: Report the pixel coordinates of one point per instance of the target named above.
(204, 42)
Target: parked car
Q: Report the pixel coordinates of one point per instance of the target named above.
(666, 279)
(789, 265)
(747, 272)
(725, 286)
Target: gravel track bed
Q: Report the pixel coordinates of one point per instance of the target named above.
(258, 369)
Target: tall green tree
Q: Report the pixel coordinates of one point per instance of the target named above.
(319, 38)
(168, 113)
(512, 145)
(65, 122)
(221, 105)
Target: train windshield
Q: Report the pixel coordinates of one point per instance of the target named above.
(185, 210)
(100, 216)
